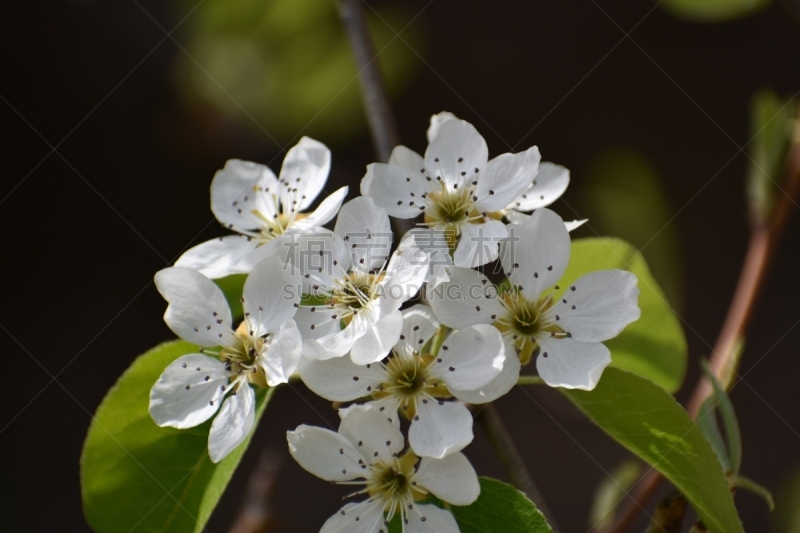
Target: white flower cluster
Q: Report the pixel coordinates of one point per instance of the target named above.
(327, 306)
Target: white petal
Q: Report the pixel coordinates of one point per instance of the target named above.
(394, 188)
(405, 274)
(340, 341)
(319, 256)
(431, 245)
(575, 224)
(325, 212)
(270, 296)
(339, 379)
(515, 217)
(324, 453)
(466, 300)
(440, 428)
(188, 392)
(470, 358)
(549, 185)
(505, 178)
(436, 122)
(499, 386)
(315, 322)
(419, 325)
(407, 159)
(303, 174)
(283, 356)
(378, 341)
(197, 311)
(239, 189)
(428, 518)
(369, 431)
(367, 232)
(570, 363)
(262, 251)
(478, 244)
(451, 479)
(536, 253)
(362, 517)
(598, 306)
(233, 423)
(457, 148)
(216, 257)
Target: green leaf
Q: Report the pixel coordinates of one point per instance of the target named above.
(650, 423)
(714, 10)
(624, 196)
(232, 287)
(733, 436)
(136, 475)
(500, 509)
(654, 346)
(611, 492)
(772, 125)
(707, 421)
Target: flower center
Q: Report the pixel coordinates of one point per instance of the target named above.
(241, 356)
(354, 292)
(394, 484)
(410, 381)
(275, 225)
(523, 321)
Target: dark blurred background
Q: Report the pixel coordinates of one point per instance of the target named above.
(140, 122)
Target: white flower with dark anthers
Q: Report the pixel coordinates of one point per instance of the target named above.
(368, 451)
(566, 329)
(455, 186)
(248, 198)
(264, 350)
(416, 383)
(357, 286)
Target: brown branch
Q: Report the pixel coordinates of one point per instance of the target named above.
(259, 514)
(506, 451)
(764, 240)
(379, 111)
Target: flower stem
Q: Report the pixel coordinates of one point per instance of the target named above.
(506, 451)
(382, 123)
(530, 380)
(765, 235)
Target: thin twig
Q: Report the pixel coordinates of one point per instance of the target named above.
(259, 511)
(764, 240)
(506, 451)
(382, 124)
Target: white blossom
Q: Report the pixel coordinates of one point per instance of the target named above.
(264, 350)
(455, 186)
(248, 199)
(565, 326)
(356, 286)
(367, 451)
(418, 384)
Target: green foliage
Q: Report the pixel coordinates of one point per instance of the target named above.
(651, 424)
(611, 492)
(786, 518)
(714, 10)
(729, 450)
(772, 122)
(136, 475)
(287, 65)
(500, 508)
(654, 346)
(625, 197)
(232, 287)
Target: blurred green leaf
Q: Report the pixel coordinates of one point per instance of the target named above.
(624, 197)
(771, 125)
(650, 423)
(136, 475)
(287, 64)
(786, 518)
(611, 492)
(232, 287)
(713, 10)
(654, 346)
(722, 404)
(707, 420)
